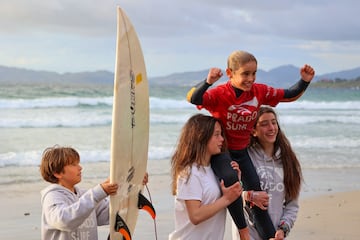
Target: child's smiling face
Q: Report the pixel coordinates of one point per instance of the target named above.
(244, 77)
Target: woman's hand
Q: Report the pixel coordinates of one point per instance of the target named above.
(235, 166)
(279, 235)
(260, 199)
(232, 192)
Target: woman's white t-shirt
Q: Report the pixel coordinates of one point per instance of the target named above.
(202, 185)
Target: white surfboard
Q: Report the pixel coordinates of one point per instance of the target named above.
(130, 128)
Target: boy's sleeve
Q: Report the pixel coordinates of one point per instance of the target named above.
(65, 217)
(102, 212)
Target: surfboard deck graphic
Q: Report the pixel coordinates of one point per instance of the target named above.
(130, 130)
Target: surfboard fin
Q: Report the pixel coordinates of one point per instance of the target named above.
(145, 204)
(122, 228)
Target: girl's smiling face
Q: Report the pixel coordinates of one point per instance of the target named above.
(266, 129)
(244, 77)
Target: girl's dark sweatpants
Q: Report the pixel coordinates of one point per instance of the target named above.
(221, 166)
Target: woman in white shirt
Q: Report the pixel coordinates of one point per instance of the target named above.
(200, 205)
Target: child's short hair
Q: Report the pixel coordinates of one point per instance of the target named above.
(54, 159)
(239, 58)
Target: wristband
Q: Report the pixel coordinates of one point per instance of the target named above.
(250, 197)
(284, 227)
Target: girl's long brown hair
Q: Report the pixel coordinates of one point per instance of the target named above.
(192, 146)
(291, 165)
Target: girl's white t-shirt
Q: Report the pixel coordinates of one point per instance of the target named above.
(202, 185)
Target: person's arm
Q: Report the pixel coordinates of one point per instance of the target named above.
(195, 95)
(198, 212)
(307, 73)
(102, 209)
(288, 218)
(295, 91)
(102, 212)
(65, 217)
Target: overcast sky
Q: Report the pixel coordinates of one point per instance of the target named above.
(180, 35)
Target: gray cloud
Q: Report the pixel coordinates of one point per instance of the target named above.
(181, 35)
(311, 20)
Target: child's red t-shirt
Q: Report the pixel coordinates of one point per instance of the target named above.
(238, 114)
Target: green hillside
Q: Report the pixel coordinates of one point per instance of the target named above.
(337, 83)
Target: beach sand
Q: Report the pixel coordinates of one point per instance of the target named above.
(326, 215)
(331, 216)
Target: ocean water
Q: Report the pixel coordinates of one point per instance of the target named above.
(323, 126)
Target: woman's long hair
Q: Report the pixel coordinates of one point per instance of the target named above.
(291, 165)
(192, 146)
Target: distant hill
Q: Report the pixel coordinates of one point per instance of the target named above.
(192, 78)
(346, 74)
(180, 79)
(11, 75)
(283, 76)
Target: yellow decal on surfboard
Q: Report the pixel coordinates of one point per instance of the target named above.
(138, 78)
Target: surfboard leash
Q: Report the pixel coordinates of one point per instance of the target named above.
(154, 219)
